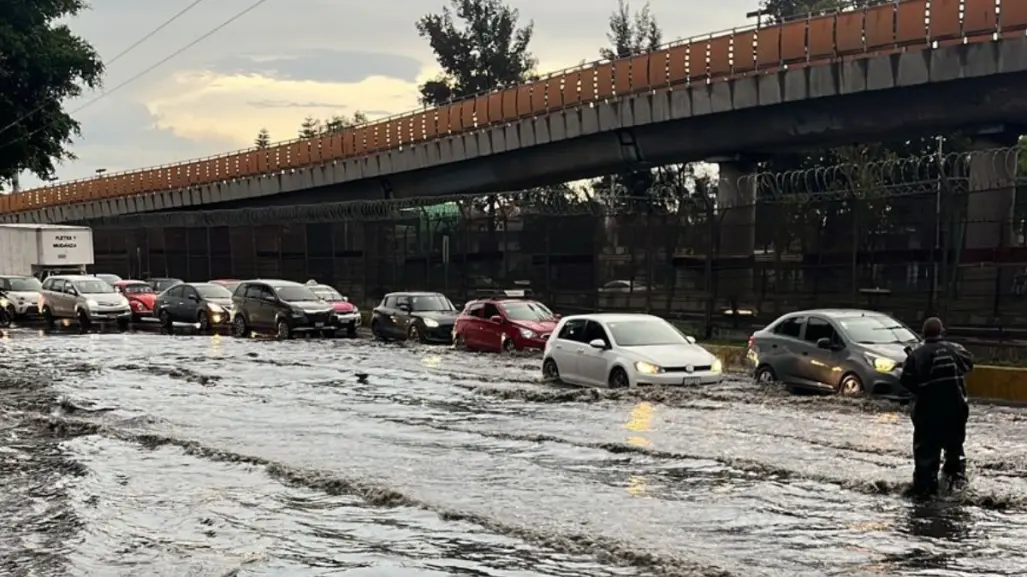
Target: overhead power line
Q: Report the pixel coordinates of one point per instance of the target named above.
(116, 57)
(152, 67)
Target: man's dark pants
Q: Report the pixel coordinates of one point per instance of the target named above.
(932, 435)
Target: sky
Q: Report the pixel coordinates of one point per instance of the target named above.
(286, 60)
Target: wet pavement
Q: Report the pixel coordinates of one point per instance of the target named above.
(133, 454)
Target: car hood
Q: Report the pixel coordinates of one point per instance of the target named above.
(672, 355)
(311, 306)
(444, 317)
(342, 306)
(145, 298)
(23, 295)
(221, 302)
(537, 326)
(894, 351)
(109, 299)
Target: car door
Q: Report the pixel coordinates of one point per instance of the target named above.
(188, 302)
(168, 302)
(64, 298)
(785, 348)
(251, 302)
(470, 325)
(821, 366)
(593, 362)
(567, 350)
(400, 316)
(492, 333)
(266, 306)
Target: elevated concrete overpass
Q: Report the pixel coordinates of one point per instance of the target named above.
(914, 67)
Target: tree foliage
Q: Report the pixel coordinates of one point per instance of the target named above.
(263, 139)
(42, 64)
(780, 10)
(480, 47)
(310, 127)
(631, 34)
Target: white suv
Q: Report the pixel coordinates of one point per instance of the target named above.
(22, 294)
(85, 298)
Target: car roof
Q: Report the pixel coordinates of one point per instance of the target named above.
(272, 282)
(201, 283)
(613, 317)
(16, 276)
(412, 294)
(838, 313)
(75, 277)
(125, 281)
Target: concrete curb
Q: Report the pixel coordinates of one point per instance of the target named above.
(1007, 384)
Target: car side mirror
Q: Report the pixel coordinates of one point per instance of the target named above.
(193, 298)
(269, 298)
(908, 350)
(73, 292)
(404, 308)
(496, 319)
(557, 317)
(691, 340)
(597, 344)
(827, 345)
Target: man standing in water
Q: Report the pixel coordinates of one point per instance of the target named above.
(934, 373)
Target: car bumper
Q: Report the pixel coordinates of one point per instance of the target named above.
(346, 320)
(537, 343)
(26, 309)
(115, 315)
(441, 334)
(679, 379)
(885, 385)
(218, 319)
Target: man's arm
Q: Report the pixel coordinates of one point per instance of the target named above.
(909, 377)
(964, 358)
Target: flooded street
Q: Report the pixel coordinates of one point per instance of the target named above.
(144, 454)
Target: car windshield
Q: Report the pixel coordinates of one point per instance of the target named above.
(327, 293)
(295, 294)
(27, 284)
(230, 286)
(137, 289)
(165, 284)
(430, 303)
(212, 291)
(527, 311)
(877, 330)
(93, 287)
(645, 333)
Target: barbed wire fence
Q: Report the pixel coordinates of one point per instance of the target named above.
(939, 234)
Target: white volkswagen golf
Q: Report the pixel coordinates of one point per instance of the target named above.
(626, 350)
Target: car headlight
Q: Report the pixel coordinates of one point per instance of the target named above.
(648, 368)
(431, 323)
(4, 302)
(526, 334)
(717, 366)
(297, 313)
(92, 304)
(881, 364)
(214, 308)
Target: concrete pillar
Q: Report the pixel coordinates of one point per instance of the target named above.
(992, 193)
(736, 203)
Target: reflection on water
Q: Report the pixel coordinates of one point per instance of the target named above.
(639, 422)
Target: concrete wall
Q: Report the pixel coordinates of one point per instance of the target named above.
(917, 92)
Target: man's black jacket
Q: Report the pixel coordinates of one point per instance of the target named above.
(933, 373)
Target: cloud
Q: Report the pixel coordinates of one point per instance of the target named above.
(329, 66)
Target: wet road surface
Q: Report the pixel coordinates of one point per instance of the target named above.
(129, 454)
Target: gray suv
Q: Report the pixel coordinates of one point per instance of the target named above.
(847, 351)
(85, 298)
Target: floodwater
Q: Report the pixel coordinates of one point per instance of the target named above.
(146, 454)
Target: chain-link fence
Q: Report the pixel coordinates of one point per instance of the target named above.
(939, 234)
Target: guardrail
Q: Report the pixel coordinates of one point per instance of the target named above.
(716, 57)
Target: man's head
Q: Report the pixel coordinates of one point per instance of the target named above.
(933, 328)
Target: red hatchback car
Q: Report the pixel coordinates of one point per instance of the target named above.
(504, 325)
(140, 297)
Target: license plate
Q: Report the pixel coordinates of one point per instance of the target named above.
(318, 325)
(691, 381)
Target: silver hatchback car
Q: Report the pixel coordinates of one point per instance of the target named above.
(846, 351)
(85, 298)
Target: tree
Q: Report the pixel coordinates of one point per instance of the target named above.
(630, 35)
(485, 52)
(310, 128)
(339, 122)
(263, 139)
(41, 65)
(781, 10)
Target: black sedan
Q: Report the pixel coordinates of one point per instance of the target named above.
(206, 304)
(416, 316)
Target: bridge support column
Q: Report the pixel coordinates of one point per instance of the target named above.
(736, 203)
(989, 215)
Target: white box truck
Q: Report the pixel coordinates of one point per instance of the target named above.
(42, 250)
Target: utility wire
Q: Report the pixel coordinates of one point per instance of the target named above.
(116, 57)
(151, 68)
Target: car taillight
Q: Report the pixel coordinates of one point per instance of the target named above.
(752, 341)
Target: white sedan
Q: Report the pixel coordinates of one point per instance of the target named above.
(626, 350)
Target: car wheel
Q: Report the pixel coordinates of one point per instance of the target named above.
(619, 379)
(509, 346)
(550, 372)
(283, 330)
(239, 328)
(48, 320)
(459, 342)
(850, 386)
(414, 333)
(351, 331)
(204, 321)
(165, 321)
(5, 319)
(83, 319)
(375, 331)
(12, 312)
(765, 375)
(123, 324)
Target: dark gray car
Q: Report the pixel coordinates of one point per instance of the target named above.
(415, 316)
(847, 351)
